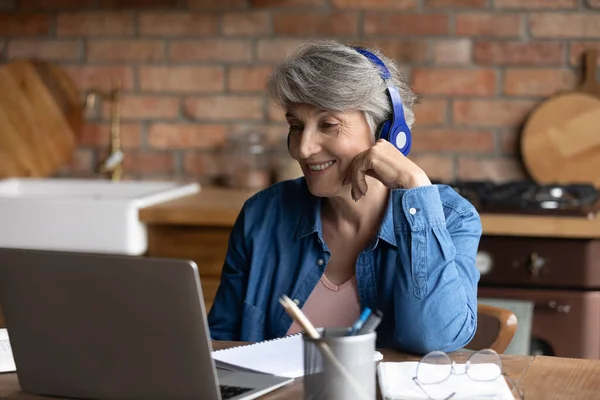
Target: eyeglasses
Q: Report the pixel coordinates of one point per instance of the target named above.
(481, 366)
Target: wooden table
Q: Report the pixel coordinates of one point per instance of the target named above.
(542, 377)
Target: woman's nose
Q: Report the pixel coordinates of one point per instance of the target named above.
(309, 144)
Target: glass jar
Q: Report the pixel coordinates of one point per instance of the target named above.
(246, 163)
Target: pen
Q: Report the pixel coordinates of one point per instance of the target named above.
(359, 322)
(297, 315)
(371, 323)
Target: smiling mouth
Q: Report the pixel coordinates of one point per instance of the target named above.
(320, 167)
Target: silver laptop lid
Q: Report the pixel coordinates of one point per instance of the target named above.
(102, 326)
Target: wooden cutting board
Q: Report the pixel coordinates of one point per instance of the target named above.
(41, 118)
(561, 139)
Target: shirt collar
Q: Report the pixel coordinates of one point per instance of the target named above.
(310, 221)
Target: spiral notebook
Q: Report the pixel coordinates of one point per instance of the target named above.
(282, 357)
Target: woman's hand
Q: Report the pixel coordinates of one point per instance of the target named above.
(385, 163)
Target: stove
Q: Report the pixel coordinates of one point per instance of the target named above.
(560, 276)
(523, 197)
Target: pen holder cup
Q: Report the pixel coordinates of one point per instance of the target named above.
(324, 380)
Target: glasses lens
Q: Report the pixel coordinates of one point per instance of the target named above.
(485, 365)
(434, 367)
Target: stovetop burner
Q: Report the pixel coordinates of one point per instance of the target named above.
(531, 198)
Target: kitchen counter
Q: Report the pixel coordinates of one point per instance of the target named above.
(219, 207)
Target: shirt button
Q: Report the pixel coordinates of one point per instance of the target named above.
(412, 211)
(296, 301)
(320, 262)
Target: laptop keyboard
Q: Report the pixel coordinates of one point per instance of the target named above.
(228, 392)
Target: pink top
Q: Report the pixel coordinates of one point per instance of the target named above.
(331, 306)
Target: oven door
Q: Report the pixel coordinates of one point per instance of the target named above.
(565, 323)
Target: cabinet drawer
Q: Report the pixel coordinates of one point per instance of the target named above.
(539, 262)
(206, 246)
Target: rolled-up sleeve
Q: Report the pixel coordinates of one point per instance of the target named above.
(435, 296)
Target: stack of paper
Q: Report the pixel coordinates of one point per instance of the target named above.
(7, 363)
(396, 383)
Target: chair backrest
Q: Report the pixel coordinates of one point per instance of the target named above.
(495, 328)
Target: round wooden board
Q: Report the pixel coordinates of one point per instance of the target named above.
(41, 118)
(561, 141)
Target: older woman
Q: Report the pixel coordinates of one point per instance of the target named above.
(364, 226)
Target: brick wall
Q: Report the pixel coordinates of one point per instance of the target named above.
(193, 70)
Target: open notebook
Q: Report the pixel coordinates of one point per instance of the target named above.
(283, 357)
(7, 363)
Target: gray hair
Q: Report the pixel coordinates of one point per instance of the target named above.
(332, 76)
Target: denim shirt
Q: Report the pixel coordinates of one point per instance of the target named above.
(419, 270)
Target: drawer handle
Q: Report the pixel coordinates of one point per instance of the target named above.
(535, 264)
(554, 306)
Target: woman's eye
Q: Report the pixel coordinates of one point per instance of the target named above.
(295, 128)
(328, 125)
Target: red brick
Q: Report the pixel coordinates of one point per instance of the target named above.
(431, 112)
(491, 112)
(44, 49)
(454, 4)
(184, 136)
(537, 82)
(24, 24)
(125, 50)
(400, 50)
(492, 169)
(374, 5)
(216, 108)
(509, 141)
(8, 4)
(139, 4)
(454, 81)
(315, 23)
(486, 24)
(204, 165)
(593, 3)
(181, 79)
(148, 162)
(453, 140)
(98, 135)
(95, 24)
(406, 24)
(223, 50)
(535, 4)
(216, 5)
(87, 76)
(567, 26)
(452, 52)
(519, 53)
(147, 107)
(273, 50)
(437, 167)
(288, 3)
(577, 50)
(248, 79)
(247, 23)
(80, 161)
(55, 4)
(178, 24)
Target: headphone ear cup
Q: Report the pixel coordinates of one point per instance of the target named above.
(383, 130)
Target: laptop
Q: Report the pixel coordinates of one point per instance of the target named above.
(114, 327)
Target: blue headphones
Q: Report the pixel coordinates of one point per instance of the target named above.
(394, 130)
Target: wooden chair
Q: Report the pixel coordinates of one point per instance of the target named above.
(495, 328)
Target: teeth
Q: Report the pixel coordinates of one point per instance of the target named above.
(320, 167)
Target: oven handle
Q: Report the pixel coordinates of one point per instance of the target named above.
(553, 306)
